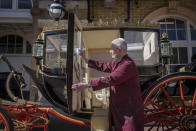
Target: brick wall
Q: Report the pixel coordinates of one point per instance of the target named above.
(190, 4)
(118, 11)
(137, 13)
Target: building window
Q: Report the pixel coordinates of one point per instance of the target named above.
(12, 44)
(193, 32)
(182, 34)
(175, 28)
(180, 55)
(6, 4)
(194, 50)
(28, 48)
(24, 4)
(15, 4)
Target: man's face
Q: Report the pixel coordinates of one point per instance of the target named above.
(115, 51)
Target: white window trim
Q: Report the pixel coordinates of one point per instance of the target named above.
(182, 43)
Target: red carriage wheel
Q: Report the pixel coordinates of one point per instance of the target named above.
(5, 121)
(170, 103)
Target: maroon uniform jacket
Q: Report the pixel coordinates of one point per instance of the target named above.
(125, 97)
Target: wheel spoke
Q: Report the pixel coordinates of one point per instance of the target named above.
(158, 127)
(157, 117)
(162, 108)
(170, 99)
(181, 95)
(162, 127)
(168, 111)
(170, 129)
(166, 125)
(163, 123)
(152, 126)
(193, 101)
(1, 121)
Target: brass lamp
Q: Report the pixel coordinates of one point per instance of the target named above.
(38, 51)
(166, 53)
(38, 48)
(166, 46)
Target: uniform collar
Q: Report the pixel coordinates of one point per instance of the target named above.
(119, 60)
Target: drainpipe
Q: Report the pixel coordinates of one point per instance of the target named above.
(89, 12)
(136, 2)
(128, 11)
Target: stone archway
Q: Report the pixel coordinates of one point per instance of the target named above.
(168, 11)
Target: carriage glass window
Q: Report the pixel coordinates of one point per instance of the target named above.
(56, 50)
(143, 46)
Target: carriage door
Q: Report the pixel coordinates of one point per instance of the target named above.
(64, 63)
(73, 65)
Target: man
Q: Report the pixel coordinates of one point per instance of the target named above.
(126, 105)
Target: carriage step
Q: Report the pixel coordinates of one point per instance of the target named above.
(99, 120)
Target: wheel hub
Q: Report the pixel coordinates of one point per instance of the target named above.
(188, 122)
(191, 124)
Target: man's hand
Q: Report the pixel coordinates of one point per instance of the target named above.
(79, 87)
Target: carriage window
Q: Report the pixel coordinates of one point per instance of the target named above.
(175, 28)
(179, 55)
(28, 47)
(56, 48)
(138, 38)
(142, 46)
(133, 37)
(193, 32)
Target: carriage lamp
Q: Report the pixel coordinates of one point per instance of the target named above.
(166, 53)
(38, 49)
(166, 46)
(56, 10)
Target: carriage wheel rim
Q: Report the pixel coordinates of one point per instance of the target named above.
(4, 121)
(186, 120)
(173, 78)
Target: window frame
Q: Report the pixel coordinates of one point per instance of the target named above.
(24, 45)
(15, 6)
(8, 8)
(175, 27)
(182, 43)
